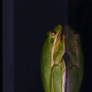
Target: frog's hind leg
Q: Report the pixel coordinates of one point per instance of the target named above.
(58, 78)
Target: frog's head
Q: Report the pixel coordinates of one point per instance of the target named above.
(55, 33)
(56, 38)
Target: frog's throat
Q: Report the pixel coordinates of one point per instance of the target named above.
(53, 47)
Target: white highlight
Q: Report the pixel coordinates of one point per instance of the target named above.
(64, 81)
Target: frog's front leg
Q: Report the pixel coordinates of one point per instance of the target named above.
(58, 77)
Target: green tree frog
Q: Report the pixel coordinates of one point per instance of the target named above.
(62, 61)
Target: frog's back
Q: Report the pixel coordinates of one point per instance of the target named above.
(46, 64)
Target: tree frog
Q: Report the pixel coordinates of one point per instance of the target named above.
(62, 61)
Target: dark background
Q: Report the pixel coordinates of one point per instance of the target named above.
(32, 20)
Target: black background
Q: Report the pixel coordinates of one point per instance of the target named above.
(33, 18)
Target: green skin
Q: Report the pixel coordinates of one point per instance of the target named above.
(53, 66)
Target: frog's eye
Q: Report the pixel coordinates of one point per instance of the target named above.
(53, 34)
